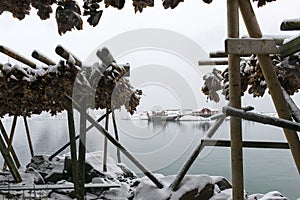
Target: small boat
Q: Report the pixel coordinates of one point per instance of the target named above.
(161, 116)
(205, 112)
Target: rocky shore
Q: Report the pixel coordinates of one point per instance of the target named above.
(118, 183)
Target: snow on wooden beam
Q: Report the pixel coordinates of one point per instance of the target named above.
(66, 54)
(42, 58)
(290, 25)
(250, 46)
(277, 38)
(213, 62)
(290, 47)
(9, 52)
(283, 123)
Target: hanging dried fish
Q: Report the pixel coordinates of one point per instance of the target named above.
(68, 16)
(261, 3)
(18, 8)
(115, 3)
(171, 3)
(92, 9)
(140, 4)
(44, 7)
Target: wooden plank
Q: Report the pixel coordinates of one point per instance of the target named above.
(247, 144)
(28, 136)
(250, 46)
(279, 39)
(116, 135)
(271, 79)
(213, 62)
(290, 25)
(290, 47)
(42, 58)
(223, 54)
(57, 186)
(17, 56)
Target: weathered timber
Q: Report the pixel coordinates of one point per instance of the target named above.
(105, 142)
(255, 117)
(184, 169)
(246, 144)
(295, 111)
(279, 39)
(11, 137)
(57, 187)
(13, 153)
(82, 150)
(71, 126)
(223, 54)
(66, 54)
(116, 135)
(271, 79)
(213, 62)
(76, 138)
(290, 25)
(28, 136)
(235, 101)
(290, 47)
(11, 165)
(117, 144)
(105, 56)
(17, 56)
(250, 46)
(42, 58)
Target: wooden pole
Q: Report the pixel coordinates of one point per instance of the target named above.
(176, 183)
(76, 138)
(235, 101)
(117, 144)
(290, 25)
(13, 153)
(292, 106)
(116, 135)
(64, 53)
(105, 56)
(213, 62)
(28, 136)
(105, 142)
(11, 137)
(11, 165)
(271, 79)
(42, 58)
(82, 150)
(255, 117)
(16, 56)
(72, 143)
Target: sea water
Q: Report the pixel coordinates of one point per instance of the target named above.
(164, 147)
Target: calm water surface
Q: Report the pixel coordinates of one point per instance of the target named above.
(164, 147)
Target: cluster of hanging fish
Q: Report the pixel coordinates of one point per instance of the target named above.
(25, 91)
(69, 14)
(252, 78)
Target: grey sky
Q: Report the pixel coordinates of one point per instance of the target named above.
(203, 23)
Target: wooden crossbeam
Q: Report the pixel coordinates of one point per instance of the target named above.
(250, 46)
(213, 62)
(279, 39)
(247, 144)
(64, 53)
(42, 58)
(290, 25)
(223, 54)
(9, 52)
(57, 186)
(290, 47)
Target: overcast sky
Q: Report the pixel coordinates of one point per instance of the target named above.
(203, 23)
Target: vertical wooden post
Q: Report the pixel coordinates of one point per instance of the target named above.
(13, 153)
(271, 79)
(235, 101)
(82, 150)
(28, 136)
(116, 135)
(72, 143)
(11, 137)
(105, 142)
